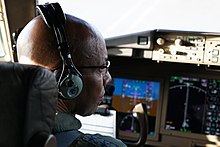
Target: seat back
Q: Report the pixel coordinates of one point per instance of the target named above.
(28, 105)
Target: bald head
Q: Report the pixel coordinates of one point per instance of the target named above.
(37, 44)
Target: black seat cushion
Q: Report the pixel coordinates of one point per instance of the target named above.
(28, 97)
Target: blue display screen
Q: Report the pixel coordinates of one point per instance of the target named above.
(140, 89)
(129, 92)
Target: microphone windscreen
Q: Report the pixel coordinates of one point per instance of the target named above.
(109, 90)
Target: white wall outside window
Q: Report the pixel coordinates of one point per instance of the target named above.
(118, 17)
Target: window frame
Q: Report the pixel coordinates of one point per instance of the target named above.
(5, 40)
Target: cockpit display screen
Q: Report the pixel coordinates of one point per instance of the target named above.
(129, 92)
(193, 105)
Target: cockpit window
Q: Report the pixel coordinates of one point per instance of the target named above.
(4, 35)
(120, 17)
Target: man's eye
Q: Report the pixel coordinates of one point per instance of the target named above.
(102, 70)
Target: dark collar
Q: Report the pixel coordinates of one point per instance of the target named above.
(66, 122)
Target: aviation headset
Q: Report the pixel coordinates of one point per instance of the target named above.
(69, 79)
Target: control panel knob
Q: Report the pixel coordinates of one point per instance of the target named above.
(178, 42)
(160, 41)
(161, 50)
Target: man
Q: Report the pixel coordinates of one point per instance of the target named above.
(37, 45)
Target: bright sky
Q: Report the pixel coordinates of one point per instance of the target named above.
(119, 17)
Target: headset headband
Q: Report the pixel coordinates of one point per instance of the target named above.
(70, 80)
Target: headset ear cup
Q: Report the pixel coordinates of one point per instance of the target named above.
(70, 86)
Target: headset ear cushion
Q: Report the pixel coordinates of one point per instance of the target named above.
(70, 86)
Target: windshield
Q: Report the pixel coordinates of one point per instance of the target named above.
(118, 17)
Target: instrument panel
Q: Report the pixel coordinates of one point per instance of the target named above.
(169, 46)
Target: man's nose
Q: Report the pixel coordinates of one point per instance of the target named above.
(107, 78)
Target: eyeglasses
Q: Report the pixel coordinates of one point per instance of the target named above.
(106, 67)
